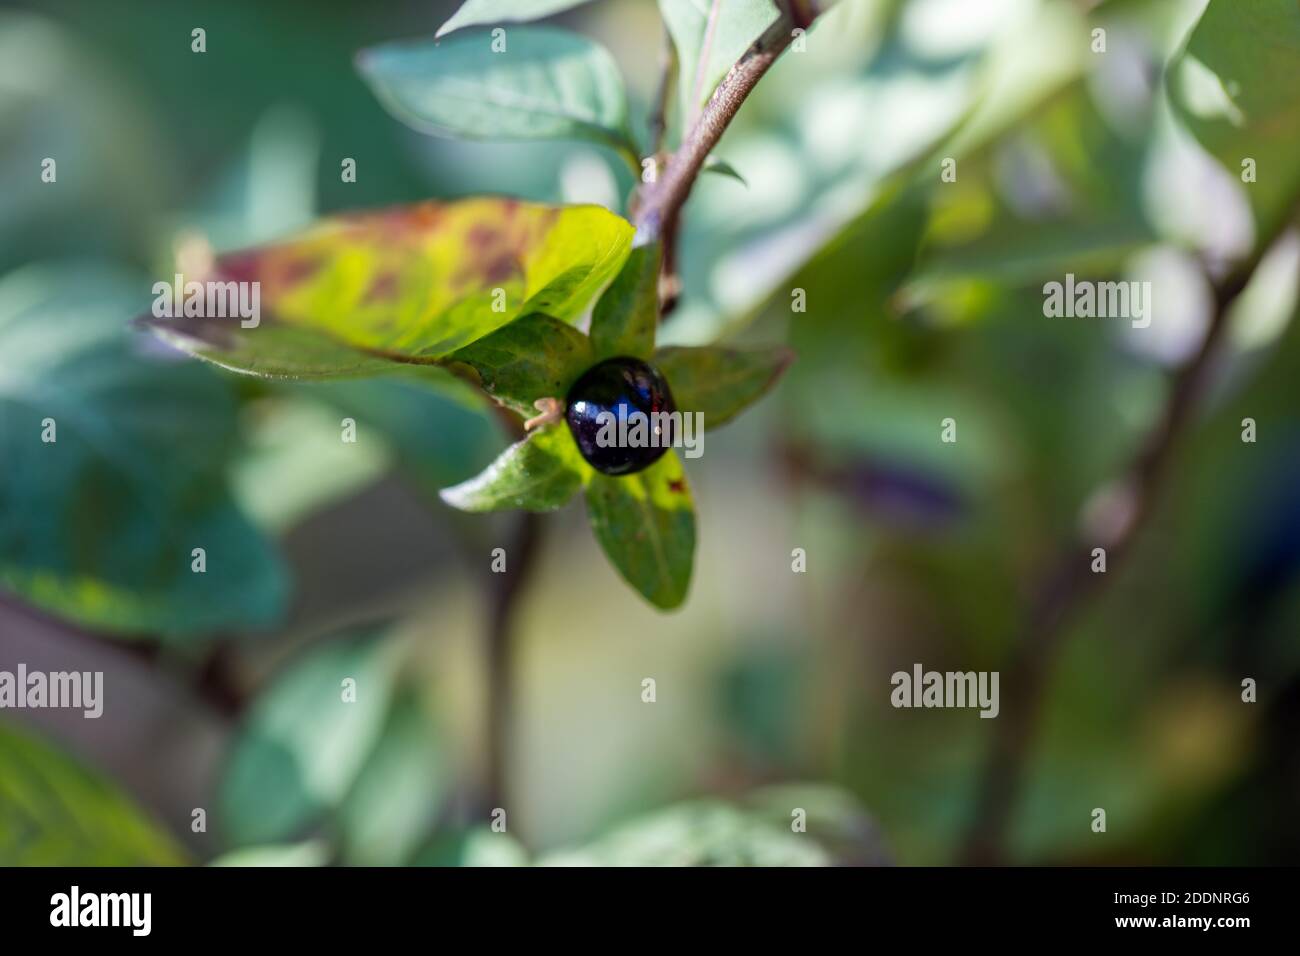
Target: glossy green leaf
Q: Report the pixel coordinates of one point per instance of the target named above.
(99, 525)
(626, 316)
(545, 84)
(477, 13)
(1234, 86)
(535, 357)
(303, 744)
(362, 291)
(54, 812)
(710, 36)
(646, 524)
(540, 473)
(720, 382)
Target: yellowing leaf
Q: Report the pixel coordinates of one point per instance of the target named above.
(646, 524)
(407, 284)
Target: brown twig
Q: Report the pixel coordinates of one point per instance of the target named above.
(661, 201)
(1064, 591)
(505, 588)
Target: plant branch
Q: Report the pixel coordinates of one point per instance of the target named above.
(661, 201)
(1063, 592)
(505, 588)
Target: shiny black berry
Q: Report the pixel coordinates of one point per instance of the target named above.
(602, 411)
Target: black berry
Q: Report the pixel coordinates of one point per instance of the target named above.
(601, 411)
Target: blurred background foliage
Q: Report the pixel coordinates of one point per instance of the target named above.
(924, 301)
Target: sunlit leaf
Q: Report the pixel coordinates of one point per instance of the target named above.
(646, 524)
(1229, 86)
(53, 812)
(626, 316)
(720, 382)
(476, 13)
(410, 284)
(535, 357)
(710, 36)
(540, 473)
(545, 84)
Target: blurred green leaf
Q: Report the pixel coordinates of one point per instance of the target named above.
(1229, 86)
(407, 284)
(477, 847)
(646, 524)
(99, 525)
(307, 853)
(710, 36)
(398, 793)
(53, 812)
(545, 84)
(302, 745)
(540, 473)
(476, 13)
(720, 382)
(626, 316)
(794, 825)
(723, 168)
(534, 357)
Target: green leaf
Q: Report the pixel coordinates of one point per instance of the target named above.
(308, 853)
(99, 525)
(720, 382)
(477, 13)
(361, 292)
(479, 847)
(699, 833)
(53, 812)
(397, 796)
(646, 524)
(710, 36)
(756, 831)
(546, 84)
(723, 168)
(302, 745)
(535, 357)
(626, 316)
(540, 473)
(1229, 86)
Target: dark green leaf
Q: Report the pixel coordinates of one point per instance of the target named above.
(53, 812)
(626, 316)
(535, 357)
(723, 168)
(546, 84)
(1230, 87)
(477, 13)
(646, 524)
(540, 473)
(99, 526)
(720, 382)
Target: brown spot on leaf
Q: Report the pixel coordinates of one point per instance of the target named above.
(677, 485)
